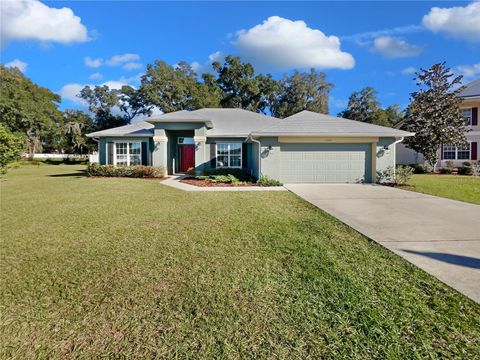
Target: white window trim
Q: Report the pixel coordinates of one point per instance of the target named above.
(456, 153)
(128, 150)
(469, 117)
(228, 167)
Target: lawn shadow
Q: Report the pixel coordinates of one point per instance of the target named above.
(77, 173)
(461, 260)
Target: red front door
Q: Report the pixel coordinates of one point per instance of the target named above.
(187, 157)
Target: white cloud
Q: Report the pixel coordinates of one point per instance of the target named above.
(409, 70)
(469, 71)
(394, 47)
(155, 112)
(284, 44)
(117, 60)
(32, 20)
(70, 92)
(20, 65)
(365, 38)
(93, 63)
(129, 61)
(337, 103)
(457, 21)
(95, 76)
(206, 67)
(132, 66)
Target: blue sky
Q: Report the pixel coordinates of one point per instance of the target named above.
(66, 45)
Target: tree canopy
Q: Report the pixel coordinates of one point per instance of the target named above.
(434, 113)
(364, 106)
(33, 111)
(302, 91)
(29, 109)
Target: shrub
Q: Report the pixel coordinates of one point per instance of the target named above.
(266, 181)
(447, 170)
(243, 175)
(67, 161)
(449, 164)
(465, 170)
(476, 169)
(219, 178)
(386, 176)
(420, 169)
(403, 175)
(139, 171)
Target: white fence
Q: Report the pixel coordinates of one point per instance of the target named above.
(39, 156)
(93, 158)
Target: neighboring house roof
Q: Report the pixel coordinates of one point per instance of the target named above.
(472, 89)
(224, 122)
(308, 123)
(140, 128)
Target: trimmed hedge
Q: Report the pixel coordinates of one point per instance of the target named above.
(139, 171)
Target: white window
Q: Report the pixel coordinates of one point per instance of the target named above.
(467, 114)
(463, 153)
(128, 153)
(451, 152)
(186, 141)
(229, 155)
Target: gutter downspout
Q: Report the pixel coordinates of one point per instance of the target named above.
(395, 153)
(250, 137)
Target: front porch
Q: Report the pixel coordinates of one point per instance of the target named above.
(180, 147)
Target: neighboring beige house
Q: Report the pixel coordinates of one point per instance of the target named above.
(456, 156)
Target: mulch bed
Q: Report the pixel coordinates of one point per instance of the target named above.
(206, 183)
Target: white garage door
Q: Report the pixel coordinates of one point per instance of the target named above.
(325, 163)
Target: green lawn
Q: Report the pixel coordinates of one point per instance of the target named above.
(457, 187)
(131, 268)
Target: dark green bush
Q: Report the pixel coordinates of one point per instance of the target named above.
(447, 170)
(465, 170)
(420, 169)
(243, 175)
(139, 171)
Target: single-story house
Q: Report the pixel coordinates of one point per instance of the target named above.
(304, 148)
(449, 153)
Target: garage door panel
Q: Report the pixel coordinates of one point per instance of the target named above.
(320, 163)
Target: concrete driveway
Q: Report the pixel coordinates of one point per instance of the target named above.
(438, 235)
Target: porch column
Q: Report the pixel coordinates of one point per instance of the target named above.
(160, 149)
(200, 153)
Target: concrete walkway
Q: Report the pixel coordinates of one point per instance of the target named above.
(174, 181)
(438, 235)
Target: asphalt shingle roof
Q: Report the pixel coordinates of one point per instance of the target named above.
(242, 123)
(471, 89)
(222, 122)
(308, 123)
(140, 128)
